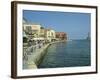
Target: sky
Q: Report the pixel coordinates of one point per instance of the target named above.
(75, 25)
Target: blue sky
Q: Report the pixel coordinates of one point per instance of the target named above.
(76, 25)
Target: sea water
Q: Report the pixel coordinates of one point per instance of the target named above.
(67, 54)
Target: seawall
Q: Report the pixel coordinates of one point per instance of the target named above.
(35, 58)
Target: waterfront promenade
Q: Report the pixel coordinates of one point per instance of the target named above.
(34, 57)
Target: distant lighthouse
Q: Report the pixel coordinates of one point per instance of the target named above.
(88, 37)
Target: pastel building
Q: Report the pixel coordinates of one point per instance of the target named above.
(32, 30)
(43, 32)
(37, 32)
(61, 36)
(50, 35)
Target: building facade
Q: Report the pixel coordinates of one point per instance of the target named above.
(50, 35)
(61, 36)
(36, 32)
(32, 30)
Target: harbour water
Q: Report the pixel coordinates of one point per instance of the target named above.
(67, 54)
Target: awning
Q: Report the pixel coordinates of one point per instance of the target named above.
(37, 39)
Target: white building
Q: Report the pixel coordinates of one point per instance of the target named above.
(50, 35)
(32, 30)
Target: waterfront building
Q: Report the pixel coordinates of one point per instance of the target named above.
(32, 30)
(35, 32)
(50, 35)
(61, 36)
(43, 32)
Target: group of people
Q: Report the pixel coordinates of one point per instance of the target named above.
(32, 47)
(37, 43)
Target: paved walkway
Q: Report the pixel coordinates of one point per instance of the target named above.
(34, 58)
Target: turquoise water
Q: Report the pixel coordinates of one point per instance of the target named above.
(67, 54)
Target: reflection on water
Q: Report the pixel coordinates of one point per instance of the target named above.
(67, 54)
